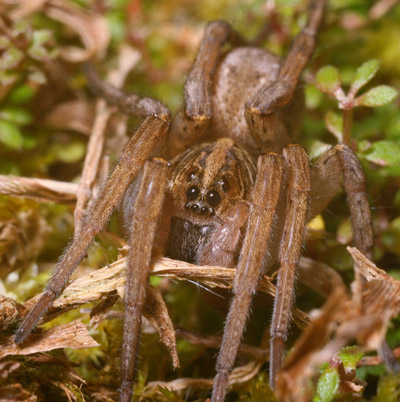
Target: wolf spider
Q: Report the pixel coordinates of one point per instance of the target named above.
(236, 193)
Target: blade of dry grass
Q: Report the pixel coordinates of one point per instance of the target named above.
(128, 58)
(238, 376)
(213, 341)
(38, 189)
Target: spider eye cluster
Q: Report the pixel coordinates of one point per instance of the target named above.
(213, 198)
(192, 193)
(200, 204)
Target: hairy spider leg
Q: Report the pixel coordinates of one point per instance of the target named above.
(131, 104)
(137, 151)
(148, 207)
(336, 168)
(298, 189)
(263, 202)
(190, 125)
(261, 111)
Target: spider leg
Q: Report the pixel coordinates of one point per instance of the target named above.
(263, 203)
(131, 104)
(137, 151)
(148, 208)
(298, 188)
(338, 167)
(262, 110)
(188, 126)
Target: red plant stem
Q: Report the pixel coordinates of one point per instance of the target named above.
(347, 125)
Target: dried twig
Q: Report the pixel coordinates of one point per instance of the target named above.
(15, 392)
(213, 341)
(127, 60)
(238, 376)
(93, 287)
(59, 117)
(38, 189)
(380, 8)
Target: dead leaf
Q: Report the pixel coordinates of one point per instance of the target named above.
(73, 335)
(10, 311)
(15, 249)
(60, 116)
(100, 310)
(8, 367)
(305, 357)
(15, 393)
(155, 310)
(342, 319)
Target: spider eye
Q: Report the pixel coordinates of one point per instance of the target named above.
(213, 198)
(192, 193)
(225, 184)
(192, 176)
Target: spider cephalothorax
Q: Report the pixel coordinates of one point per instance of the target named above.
(240, 201)
(210, 177)
(207, 181)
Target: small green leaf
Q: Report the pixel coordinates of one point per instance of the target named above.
(15, 115)
(350, 356)
(10, 135)
(30, 142)
(384, 153)
(69, 153)
(364, 74)
(37, 77)
(313, 97)
(155, 281)
(4, 42)
(40, 37)
(327, 385)
(378, 96)
(388, 388)
(327, 79)
(334, 124)
(38, 53)
(7, 77)
(21, 94)
(11, 58)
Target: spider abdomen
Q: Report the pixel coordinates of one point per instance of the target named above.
(240, 74)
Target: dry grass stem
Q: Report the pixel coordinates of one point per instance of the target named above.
(15, 392)
(104, 282)
(128, 58)
(239, 375)
(59, 117)
(103, 286)
(38, 189)
(213, 341)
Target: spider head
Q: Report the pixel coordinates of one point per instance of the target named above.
(208, 178)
